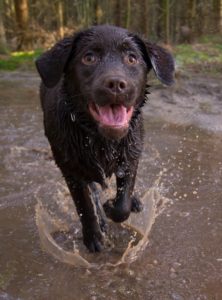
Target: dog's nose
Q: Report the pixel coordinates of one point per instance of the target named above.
(116, 85)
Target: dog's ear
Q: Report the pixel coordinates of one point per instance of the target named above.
(51, 64)
(162, 63)
(157, 58)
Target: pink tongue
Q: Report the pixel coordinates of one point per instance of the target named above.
(113, 115)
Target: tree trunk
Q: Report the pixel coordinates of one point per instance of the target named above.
(3, 43)
(118, 13)
(22, 17)
(167, 21)
(193, 16)
(98, 13)
(144, 16)
(87, 13)
(60, 18)
(220, 16)
(160, 21)
(128, 14)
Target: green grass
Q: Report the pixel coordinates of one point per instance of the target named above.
(17, 60)
(204, 55)
(211, 39)
(198, 53)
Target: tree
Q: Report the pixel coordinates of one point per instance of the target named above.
(60, 18)
(3, 43)
(117, 12)
(22, 18)
(220, 22)
(97, 12)
(166, 12)
(128, 14)
(144, 16)
(42, 22)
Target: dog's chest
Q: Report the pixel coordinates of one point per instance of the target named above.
(105, 153)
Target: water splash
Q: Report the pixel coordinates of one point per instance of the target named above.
(60, 231)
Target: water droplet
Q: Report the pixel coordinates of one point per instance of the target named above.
(120, 173)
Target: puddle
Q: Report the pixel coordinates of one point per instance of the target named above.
(60, 232)
(177, 252)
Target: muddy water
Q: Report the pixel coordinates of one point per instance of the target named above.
(183, 259)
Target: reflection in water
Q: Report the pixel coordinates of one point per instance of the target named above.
(183, 257)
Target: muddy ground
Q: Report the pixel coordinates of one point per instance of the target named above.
(183, 143)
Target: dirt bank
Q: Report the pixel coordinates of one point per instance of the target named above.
(194, 100)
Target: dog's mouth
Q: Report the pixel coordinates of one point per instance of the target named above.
(116, 116)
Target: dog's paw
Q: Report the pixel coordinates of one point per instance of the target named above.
(137, 205)
(115, 213)
(93, 240)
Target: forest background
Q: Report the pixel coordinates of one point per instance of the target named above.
(192, 29)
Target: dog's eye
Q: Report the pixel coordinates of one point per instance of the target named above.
(131, 59)
(89, 59)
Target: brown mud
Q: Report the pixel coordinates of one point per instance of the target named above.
(183, 149)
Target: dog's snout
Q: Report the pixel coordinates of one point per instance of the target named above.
(116, 85)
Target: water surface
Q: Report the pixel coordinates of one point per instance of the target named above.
(182, 160)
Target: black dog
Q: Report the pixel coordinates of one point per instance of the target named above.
(93, 88)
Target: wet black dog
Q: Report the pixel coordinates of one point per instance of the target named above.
(93, 88)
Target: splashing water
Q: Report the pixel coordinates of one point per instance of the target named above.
(60, 230)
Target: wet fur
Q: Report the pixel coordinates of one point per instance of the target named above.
(82, 153)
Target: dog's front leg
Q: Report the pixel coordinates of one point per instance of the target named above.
(87, 211)
(119, 209)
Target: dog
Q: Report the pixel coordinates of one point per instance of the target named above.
(94, 85)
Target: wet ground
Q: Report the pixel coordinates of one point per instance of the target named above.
(183, 144)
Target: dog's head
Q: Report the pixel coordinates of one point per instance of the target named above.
(105, 72)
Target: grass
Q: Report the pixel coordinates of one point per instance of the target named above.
(204, 55)
(19, 60)
(198, 53)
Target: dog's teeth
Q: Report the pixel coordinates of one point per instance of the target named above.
(97, 108)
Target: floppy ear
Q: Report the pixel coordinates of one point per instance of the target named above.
(159, 59)
(162, 63)
(51, 64)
